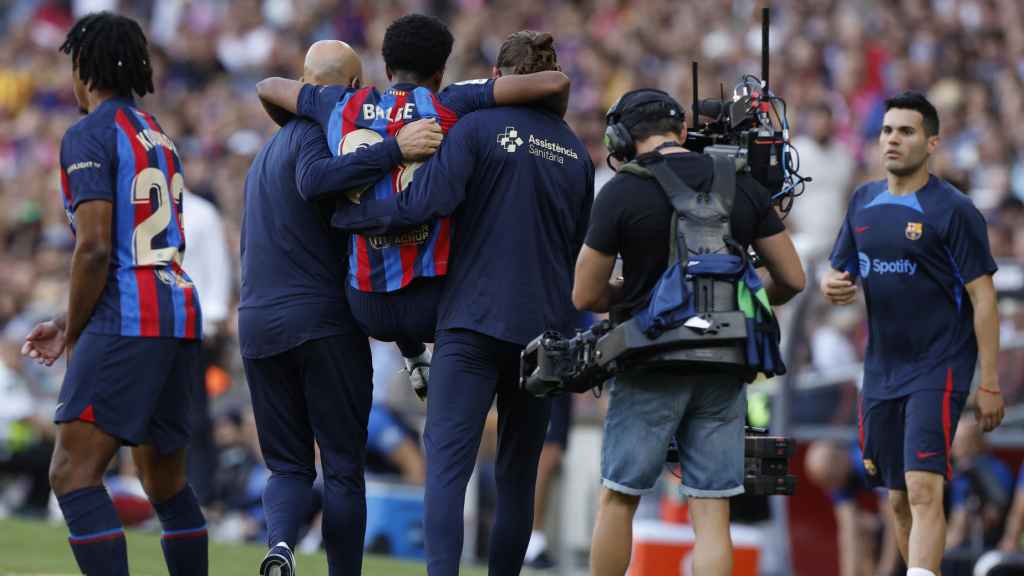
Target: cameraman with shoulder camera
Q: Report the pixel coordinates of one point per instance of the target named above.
(705, 412)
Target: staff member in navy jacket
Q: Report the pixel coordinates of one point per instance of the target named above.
(520, 185)
(306, 361)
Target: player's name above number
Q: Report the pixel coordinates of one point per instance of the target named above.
(391, 113)
(151, 139)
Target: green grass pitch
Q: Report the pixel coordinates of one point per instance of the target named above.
(41, 549)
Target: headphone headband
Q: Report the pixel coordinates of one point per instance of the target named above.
(634, 99)
(620, 118)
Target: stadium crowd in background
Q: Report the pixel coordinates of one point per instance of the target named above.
(834, 61)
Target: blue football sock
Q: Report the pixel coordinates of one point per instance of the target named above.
(184, 537)
(97, 537)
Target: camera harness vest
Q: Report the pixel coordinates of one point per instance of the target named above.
(709, 309)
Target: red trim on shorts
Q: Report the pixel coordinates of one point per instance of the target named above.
(947, 420)
(87, 415)
(860, 422)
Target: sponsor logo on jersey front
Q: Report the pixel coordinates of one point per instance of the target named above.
(878, 266)
(414, 237)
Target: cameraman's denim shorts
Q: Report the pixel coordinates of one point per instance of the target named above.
(706, 414)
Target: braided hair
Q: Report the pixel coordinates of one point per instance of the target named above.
(527, 51)
(110, 52)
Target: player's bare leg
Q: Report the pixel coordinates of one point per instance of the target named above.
(162, 475)
(613, 534)
(928, 530)
(712, 550)
(902, 521)
(184, 538)
(80, 457)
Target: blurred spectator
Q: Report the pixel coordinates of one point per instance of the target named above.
(830, 164)
(392, 443)
(980, 492)
(210, 267)
(240, 478)
(208, 262)
(839, 470)
(1011, 540)
(26, 440)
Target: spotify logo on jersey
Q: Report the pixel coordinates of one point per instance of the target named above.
(870, 265)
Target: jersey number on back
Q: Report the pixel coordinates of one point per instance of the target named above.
(148, 183)
(363, 138)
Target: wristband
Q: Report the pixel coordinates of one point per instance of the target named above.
(989, 390)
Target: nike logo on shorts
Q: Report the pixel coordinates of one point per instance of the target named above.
(926, 455)
(861, 229)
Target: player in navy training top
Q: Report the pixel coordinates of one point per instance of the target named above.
(394, 280)
(920, 250)
(520, 185)
(132, 328)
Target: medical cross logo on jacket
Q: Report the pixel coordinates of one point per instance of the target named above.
(509, 140)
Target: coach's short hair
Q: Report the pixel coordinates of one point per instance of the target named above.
(917, 102)
(110, 52)
(418, 44)
(526, 52)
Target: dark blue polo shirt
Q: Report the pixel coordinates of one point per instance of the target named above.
(293, 262)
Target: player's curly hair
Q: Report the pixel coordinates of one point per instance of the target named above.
(418, 44)
(110, 52)
(527, 51)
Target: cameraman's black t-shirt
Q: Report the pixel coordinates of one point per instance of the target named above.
(632, 216)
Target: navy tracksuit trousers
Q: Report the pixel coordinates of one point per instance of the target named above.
(469, 369)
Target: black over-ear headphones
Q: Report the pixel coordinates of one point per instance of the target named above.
(621, 116)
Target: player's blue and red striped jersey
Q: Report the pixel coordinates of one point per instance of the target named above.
(119, 154)
(354, 118)
(914, 256)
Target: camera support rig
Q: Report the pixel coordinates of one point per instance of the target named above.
(743, 131)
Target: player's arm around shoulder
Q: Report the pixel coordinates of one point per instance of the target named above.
(279, 98)
(549, 89)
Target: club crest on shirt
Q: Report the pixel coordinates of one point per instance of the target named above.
(914, 230)
(869, 467)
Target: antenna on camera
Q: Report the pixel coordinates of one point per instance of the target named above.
(696, 107)
(765, 25)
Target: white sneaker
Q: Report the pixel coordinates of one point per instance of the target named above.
(418, 368)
